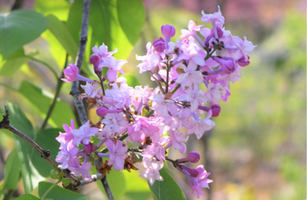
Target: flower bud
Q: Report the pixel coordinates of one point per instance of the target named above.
(168, 30)
(193, 156)
(243, 62)
(89, 148)
(159, 45)
(102, 112)
(94, 59)
(193, 172)
(216, 109)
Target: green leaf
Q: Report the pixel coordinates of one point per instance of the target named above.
(19, 28)
(62, 112)
(58, 192)
(167, 189)
(131, 16)
(13, 62)
(58, 8)
(28, 197)
(46, 139)
(11, 171)
(63, 35)
(29, 174)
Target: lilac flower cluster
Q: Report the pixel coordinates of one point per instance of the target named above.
(156, 118)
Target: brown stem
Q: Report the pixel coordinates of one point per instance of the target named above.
(5, 124)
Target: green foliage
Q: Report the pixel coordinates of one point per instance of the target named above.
(58, 192)
(167, 189)
(39, 98)
(11, 171)
(12, 64)
(25, 23)
(28, 197)
(30, 175)
(63, 35)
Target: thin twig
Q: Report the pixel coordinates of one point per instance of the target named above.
(58, 89)
(5, 124)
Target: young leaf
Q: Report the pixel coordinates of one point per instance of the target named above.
(167, 189)
(58, 192)
(11, 171)
(19, 28)
(46, 139)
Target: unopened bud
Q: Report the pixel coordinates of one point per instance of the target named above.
(243, 62)
(193, 156)
(102, 112)
(94, 59)
(89, 148)
(216, 109)
(159, 45)
(168, 30)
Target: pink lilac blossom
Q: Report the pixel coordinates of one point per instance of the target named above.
(192, 76)
(118, 154)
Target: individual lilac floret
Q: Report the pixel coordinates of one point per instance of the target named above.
(67, 136)
(78, 170)
(199, 182)
(214, 18)
(152, 170)
(83, 134)
(68, 151)
(103, 51)
(168, 31)
(118, 154)
(192, 157)
(72, 74)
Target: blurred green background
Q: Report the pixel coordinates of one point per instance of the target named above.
(257, 150)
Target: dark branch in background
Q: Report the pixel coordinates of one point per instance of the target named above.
(83, 39)
(75, 85)
(104, 181)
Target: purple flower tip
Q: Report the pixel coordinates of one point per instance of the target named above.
(89, 148)
(168, 30)
(159, 45)
(94, 59)
(193, 156)
(216, 109)
(102, 112)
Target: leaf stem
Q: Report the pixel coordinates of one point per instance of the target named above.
(49, 189)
